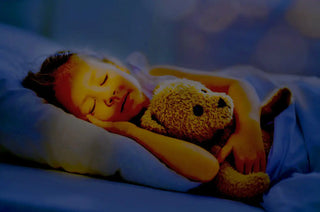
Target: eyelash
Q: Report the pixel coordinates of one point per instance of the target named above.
(104, 80)
(93, 107)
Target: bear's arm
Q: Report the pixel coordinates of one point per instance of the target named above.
(187, 159)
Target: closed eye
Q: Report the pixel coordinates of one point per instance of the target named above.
(104, 80)
(93, 106)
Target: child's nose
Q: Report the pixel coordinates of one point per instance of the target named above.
(113, 98)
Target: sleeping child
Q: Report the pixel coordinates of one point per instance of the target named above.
(103, 92)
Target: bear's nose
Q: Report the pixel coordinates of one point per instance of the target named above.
(221, 103)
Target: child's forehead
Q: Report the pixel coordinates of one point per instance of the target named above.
(83, 62)
(94, 62)
(89, 59)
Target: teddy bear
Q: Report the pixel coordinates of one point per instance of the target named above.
(187, 110)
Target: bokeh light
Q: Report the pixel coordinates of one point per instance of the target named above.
(201, 34)
(171, 10)
(217, 16)
(282, 51)
(192, 43)
(254, 8)
(305, 16)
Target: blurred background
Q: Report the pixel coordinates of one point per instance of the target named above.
(278, 36)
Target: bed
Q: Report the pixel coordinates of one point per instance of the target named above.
(51, 161)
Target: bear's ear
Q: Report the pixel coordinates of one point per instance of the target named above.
(164, 85)
(149, 122)
(274, 105)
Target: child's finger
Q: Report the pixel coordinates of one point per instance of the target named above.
(225, 151)
(239, 165)
(256, 166)
(248, 167)
(98, 122)
(91, 119)
(263, 164)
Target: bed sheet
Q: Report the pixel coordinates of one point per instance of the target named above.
(35, 189)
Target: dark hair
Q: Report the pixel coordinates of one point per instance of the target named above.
(43, 81)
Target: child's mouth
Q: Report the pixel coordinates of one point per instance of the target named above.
(124, 102)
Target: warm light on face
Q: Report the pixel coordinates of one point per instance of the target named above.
(99, 89)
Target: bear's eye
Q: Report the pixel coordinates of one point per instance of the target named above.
(198, 110)
(204, 91)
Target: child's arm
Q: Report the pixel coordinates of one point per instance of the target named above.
(185, 158)
(246, 143)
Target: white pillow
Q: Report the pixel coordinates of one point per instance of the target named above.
(43, 133)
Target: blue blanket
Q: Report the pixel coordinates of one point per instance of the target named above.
(294, 160)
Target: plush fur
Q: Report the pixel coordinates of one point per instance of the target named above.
(188, 110)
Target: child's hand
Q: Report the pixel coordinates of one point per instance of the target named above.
(115, 127)
(247, 148)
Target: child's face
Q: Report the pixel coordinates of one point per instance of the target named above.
(88, 86)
